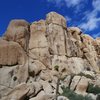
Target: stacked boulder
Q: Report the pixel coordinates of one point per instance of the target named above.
(34, 56)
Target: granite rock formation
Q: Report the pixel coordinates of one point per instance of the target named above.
(34, 56)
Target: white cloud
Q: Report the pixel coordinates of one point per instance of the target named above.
(96, 5)
(76, 4)
(72, 3)
(91, 24)
(92, 21)
(68, 3)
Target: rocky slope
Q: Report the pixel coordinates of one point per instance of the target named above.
(37, 58)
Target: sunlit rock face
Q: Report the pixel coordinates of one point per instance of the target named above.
(18, 31)
(33, 57)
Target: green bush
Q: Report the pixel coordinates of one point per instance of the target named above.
(93, 89)
(73, 96)
(56, 68)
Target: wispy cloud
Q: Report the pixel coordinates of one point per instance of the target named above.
(95, 35)
(68, 18)
(91, 23)
(91, 19)
(68, 3)
(96, 5)
(72, 3)
(56, 2)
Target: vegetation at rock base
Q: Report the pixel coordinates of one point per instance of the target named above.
(56, 67)
(71, 95)
(93, 89)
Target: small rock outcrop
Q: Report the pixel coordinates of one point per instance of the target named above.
(37, 59)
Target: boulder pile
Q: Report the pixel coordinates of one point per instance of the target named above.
(38, 58)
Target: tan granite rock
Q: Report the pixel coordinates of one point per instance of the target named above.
(18, 31)
(37, 58)
(12, 76)
(89, 52)
(82, 85)
(42, 96)
(18, 93)
(55, 18)
(56, 39)
(73, 42)
(75, 82)
(11, 53)
(38, 45)
(96, 44)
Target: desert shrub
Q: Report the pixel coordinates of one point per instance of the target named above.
(74, 96)
(93, 89)
(56, 67)
(86, 75)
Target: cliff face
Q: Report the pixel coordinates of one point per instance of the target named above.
(33, 57)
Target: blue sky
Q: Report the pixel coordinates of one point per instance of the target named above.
(81, 13)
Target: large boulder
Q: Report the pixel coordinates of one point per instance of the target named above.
(74, 82)
(12, 76)
(96, 44)
(89, 51)
(18, 93)
(42, 96)
(55, 33)
(47, 87)
(56, 39)
(35, 67)
(82, 85)
(55, 18)
(76, 32)
(38, 45)
(18, 31)
(73, 42)
(11, 53)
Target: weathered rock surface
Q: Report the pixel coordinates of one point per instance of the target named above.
(38, 45)
(11, 53)
(37, 59)
(74, 82)
(62, 98)
(18, 31)
(55, 18)
(18, 93)
(82, 85)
